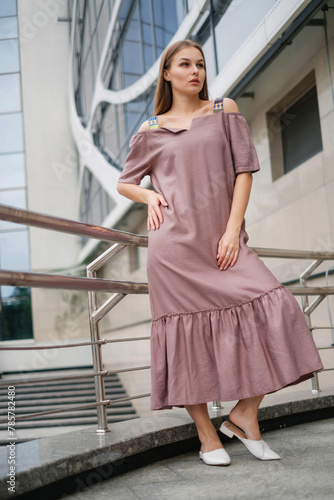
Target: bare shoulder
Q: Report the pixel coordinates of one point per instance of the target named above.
(143, 127)
(230, 106)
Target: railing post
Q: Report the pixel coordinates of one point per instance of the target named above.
(216, 405)
(305, 303)
(102, 419)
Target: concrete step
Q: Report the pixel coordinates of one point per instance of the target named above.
(67, 400)
(74, 413)
(53, 395)
(32, 389)
(78, 420)
(61, 393)
(112, 377)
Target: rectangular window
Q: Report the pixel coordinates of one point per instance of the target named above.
(13, 198)
(12, 171)
(301, 133)
(8, 8)
(11, 133)
(8, 27)
(10, 92)
(9, 56)
(294, 128)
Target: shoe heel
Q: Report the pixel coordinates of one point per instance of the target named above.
(226, 431)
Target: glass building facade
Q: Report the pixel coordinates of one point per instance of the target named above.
(114, 44)
(15, 304)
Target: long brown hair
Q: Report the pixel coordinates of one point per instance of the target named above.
(163, 92)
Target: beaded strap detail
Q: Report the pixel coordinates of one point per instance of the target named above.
(153, 122)
(218, 106)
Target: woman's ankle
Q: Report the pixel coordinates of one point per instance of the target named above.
(210, 442)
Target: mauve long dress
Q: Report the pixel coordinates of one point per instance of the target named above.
(215, 335)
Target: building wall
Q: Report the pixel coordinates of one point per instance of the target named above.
(294, 211)
(51, 163)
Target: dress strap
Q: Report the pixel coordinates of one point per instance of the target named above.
(219, 105)
(153, 122)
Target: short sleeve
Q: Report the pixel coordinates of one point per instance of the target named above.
(137, 162)
(243, 151)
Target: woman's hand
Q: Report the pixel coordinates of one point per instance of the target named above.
(228, 249)
(154, 214)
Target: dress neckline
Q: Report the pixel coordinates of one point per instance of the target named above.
(174, 129)
(191, 123)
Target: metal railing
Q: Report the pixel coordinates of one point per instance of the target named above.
(121, 289)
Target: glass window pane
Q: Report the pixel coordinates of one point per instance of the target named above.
(11, 133)
(132, 58)
(8, 27)
(15, 198)
(8, 8)
(10, 95)
(242, 14)
(14, 251)
(147, 34)
(145, 13)
(12, 172)
(9, 56)
(301, 135)
(15, 317)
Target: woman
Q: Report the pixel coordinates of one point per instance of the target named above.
(223, 327)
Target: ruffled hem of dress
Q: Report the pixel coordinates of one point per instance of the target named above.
(258, 346)
(213, 309)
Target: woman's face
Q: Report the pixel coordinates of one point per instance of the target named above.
(186, 65)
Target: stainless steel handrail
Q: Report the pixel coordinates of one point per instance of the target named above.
(43, 221)
(16, 278)
(120, 289)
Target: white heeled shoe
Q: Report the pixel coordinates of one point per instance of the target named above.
(215, 457)
(258, 448)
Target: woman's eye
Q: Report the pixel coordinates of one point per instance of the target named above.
(199, 64)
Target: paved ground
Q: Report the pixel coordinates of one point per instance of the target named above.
(305, 471)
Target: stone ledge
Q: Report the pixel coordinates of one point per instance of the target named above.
(45, 461)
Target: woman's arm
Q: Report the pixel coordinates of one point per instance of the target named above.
(229, 242)
(143, 195)
(133, 192)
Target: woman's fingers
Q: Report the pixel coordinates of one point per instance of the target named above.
(154, 217)
(153, 220)
(226, 260)
(227, 257)
(235, 257)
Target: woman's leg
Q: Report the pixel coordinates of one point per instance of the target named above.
(244, 415)
(206, 432)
